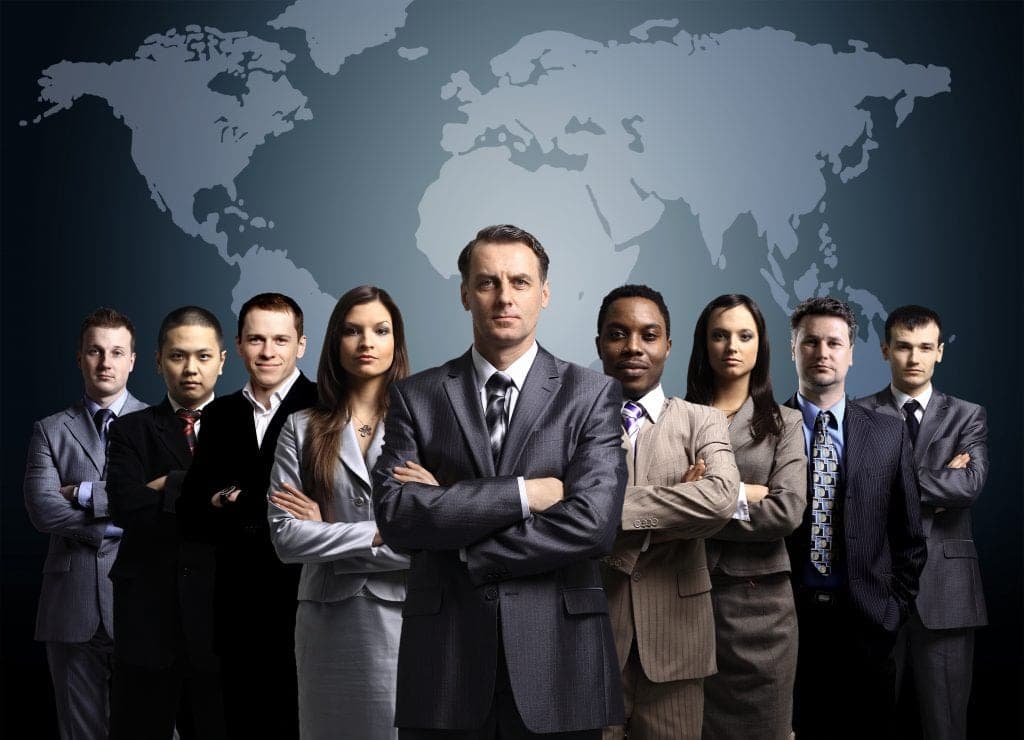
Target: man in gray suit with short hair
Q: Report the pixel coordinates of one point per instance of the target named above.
(951, 457)
(66, 497)
(503, 473)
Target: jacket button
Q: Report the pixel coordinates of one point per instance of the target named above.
(654, 521)
(637, 576)
(637, 524)
(360, 502)
(491, 593)
(186, 571)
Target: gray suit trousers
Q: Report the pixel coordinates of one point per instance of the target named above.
(81, 681)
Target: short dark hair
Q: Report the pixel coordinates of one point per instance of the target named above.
(270, 302)
(634, 291)
(106, 318)
(503, 234)
(911, 317)
(188, 316)
(824, 306)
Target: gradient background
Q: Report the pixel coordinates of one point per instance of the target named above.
(941, 204)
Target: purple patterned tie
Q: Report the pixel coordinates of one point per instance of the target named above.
(632, 413)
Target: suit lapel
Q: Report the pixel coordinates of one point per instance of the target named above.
(934, 416)
(350, 455)
(171, 434)
(645, 440)
(464, 396)
(81, 427)
(739, 425)
(542, 382)
(296, 400)
(854, 443)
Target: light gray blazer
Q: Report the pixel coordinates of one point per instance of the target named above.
(337, 558)
(76, 593)
(757, 547)
(951, 594)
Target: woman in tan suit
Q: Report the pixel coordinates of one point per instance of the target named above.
(755, 620)
(352, 585)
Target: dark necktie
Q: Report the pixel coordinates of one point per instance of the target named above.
(825, 466)
(632, 413)
(189, 418)
(102, 419)
(913, 425)
(497, 422)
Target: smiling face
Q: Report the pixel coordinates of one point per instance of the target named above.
(190, 360)
(105, 359)
(912, 355)
(732, 343)
(634, 344)
(504, 292)
(269, 346)
(367, 341)
(823, 355)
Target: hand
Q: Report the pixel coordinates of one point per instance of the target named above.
(755, 492)
(543, 493)
(157, 484)
(227, 496)
(377, 540)
(413, 472)
(296, 503)
(959, 462)
(68, 492)
(695, 472)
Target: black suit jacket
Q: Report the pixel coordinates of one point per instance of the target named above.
(532, 583)
(250, 577)
(163, 588)
(882, 548)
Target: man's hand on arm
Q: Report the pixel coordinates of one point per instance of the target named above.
(158, 484)
(543, 493)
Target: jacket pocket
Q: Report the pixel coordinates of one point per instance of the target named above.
(693, 582)
(585, 601)
(421, 602)
(959, 549)
(57, 563)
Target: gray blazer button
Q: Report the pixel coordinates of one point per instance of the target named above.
(637, 576)
(360, 502)
(654, 521)
(491, 593)
(637, 524)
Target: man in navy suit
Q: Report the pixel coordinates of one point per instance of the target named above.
(859, 553)
(506, 630)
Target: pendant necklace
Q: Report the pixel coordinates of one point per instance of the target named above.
(365, 430)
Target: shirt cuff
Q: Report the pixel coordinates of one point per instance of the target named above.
(524, 502)
(112, 530)
(647, 543)
(742, 512)
(84, 496)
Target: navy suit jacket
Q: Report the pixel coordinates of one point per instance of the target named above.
(533, 583)
(882, 548)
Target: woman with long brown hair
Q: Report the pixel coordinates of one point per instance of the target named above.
(751, 696)
(352, 586)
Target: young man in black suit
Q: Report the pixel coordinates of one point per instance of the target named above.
(224, 502)
(165, 672)
(859, 553)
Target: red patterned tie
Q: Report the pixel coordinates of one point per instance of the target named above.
(189, 418)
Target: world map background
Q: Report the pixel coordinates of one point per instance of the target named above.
(737, 147)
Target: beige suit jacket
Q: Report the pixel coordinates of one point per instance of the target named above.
(661, 597)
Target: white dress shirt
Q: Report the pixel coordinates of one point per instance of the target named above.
(262, 415)
(901, 398)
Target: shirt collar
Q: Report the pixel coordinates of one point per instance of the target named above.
(810, 411)
(652, 402)
(901, 398)
(92, 407)
(517, 371)
(276, 397)
(176, 406)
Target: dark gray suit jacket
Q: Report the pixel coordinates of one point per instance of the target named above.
(532, 583)
(77, 594)
(951, 595)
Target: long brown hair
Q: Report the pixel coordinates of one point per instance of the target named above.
(700, 379)
(331, 413)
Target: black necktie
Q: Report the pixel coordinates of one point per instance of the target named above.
(189, 417)
(913, 425)
(497, 422)
(102, 419)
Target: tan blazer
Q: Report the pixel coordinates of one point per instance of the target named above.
(661, 596)
(757, 547)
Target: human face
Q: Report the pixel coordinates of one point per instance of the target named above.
(732, 343)
(912, 355)
(367, 341)
(633, 345)
(823, 355)
(190, 361)
(269, 346)
(505, 294)
(105, 359)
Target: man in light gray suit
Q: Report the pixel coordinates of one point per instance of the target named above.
(66, 497)
(505, 628)
(951, 457)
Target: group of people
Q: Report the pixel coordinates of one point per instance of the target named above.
(508, 545)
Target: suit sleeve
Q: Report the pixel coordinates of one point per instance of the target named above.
(906, 538)
(413, 516)
(782, 510)
(300, 541)
(47, 508)
(133, 504)
(951, 488)
(584, 524)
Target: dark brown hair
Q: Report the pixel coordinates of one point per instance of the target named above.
(503, 234)
(106, 318)
(824, 306)
(911, 317)
(270, 302)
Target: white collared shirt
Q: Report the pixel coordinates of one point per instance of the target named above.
(652, 403)
(261, 415)
(901, 398)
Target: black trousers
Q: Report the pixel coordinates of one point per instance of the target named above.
(846, 672)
